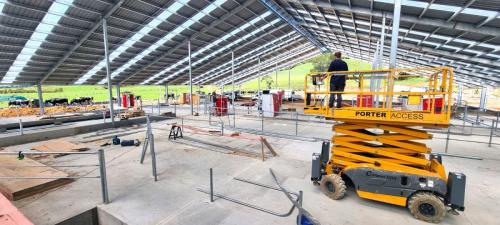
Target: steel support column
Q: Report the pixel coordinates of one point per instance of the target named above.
(276, 71)
(289, 75)
(118, 99)
(166, 93)
(108, 72)
(233, 95)
(482, 100)
(41, 104)
(459, 96)
(190, 79)
(394, 48)
(258, 75)
(380, 62)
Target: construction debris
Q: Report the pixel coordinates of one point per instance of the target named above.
(136, 112)
(14, 112)
(59, 146)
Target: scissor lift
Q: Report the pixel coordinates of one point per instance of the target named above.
(376, 146)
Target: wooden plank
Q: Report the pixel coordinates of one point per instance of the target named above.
(59, 146)
(266, 143)
(21, 188)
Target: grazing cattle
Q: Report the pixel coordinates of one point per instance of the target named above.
(19, 103)
(25, 103)
(82, 101)
(56, 101)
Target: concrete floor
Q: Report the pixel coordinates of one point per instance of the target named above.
(182, 168)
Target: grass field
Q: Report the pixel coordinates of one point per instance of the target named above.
(148, 93)
(100, 93)
(153, 92)
(297, 75)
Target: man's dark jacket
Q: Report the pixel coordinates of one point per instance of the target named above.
(338, 65)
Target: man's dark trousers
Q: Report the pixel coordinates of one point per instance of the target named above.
(334, 86)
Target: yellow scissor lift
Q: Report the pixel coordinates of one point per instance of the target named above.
(375, 147)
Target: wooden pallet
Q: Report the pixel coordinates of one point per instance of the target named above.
(21, 188)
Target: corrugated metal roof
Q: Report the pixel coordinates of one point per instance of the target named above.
(463, 34)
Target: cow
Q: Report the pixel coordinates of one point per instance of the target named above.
(56, 101)
(19, 103)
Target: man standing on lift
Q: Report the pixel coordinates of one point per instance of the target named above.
(337, 81)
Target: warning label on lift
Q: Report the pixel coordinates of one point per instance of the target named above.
(391, 115)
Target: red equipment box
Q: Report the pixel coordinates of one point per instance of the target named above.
(427, 105)
(127, 100)
(366, 100)
(221, 106)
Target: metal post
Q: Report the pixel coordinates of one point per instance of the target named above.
(380, 58)
(491, 132)
(41, 104)
(382, 45)
(459, 96)
(301, 196)
(289, 76)
(496, 124)
(222, 128)
(373, 81)
(477, 116)
(182, 122)
(258, 76)
(276, 70)
(296, 124)
(482, 100)
(211, 186)
(166, 93)
(175, 109)
(233, 94)
(190, 79)
(210, 115)
(465, 114)
(118, 99)
(104, 116)
(146, 140)
(104, 180)
(262, 124)
(259, 88)
(394, 48)
(159, 112)
(21, 130)
(447, 138)
(108, 72)
(153, 155)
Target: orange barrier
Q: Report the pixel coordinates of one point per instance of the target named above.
(10, 215)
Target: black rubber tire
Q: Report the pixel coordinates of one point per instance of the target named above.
(333, 186)
(427, 207)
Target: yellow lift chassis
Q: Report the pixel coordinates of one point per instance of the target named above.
(376, 146)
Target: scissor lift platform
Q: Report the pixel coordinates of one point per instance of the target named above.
(377, 145)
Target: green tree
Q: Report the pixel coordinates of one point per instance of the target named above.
(268, 80)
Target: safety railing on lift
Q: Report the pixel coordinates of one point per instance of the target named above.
(377, 99)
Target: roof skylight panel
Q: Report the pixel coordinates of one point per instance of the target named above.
(228, 46)
(221, 69)
(196, 18)
(194, 54)
(55, 12)
(442, 7)
(155, 22)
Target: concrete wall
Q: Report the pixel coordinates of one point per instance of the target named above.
(46, 134)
